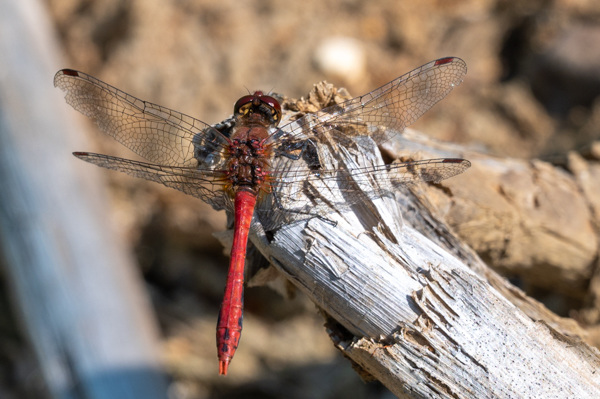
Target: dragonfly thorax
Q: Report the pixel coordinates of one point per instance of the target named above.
(248, 165)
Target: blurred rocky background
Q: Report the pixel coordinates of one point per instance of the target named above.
(531, 92)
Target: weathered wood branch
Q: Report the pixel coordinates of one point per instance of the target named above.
(426, 316)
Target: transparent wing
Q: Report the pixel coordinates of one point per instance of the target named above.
(399, 173)
(388, 109)
(156, 133)
(296, 195)
(204, 184)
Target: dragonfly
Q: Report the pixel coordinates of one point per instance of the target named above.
(256, 170)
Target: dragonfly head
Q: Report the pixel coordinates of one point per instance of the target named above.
(259, 108)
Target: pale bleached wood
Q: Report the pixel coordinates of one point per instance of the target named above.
(527, 217)
(423, 310)
(550, 215)
(74, 286)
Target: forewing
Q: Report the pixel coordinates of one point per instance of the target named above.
(387, 110)
(208, 185)
(156, 133)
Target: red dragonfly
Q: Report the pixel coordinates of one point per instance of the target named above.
(249, 166)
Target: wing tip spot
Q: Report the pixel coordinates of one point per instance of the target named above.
(69, 72)
(443, 61)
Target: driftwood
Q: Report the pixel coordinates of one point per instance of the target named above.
(417, 308)
(73, 284)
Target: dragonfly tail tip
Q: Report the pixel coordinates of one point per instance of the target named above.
(223, 365)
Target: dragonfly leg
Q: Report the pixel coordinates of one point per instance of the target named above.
(286, 149)
(302, 214)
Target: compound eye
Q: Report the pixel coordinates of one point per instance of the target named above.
(274, 105)
(242, 102)
(258, 102)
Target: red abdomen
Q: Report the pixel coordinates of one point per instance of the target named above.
(229, 326)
